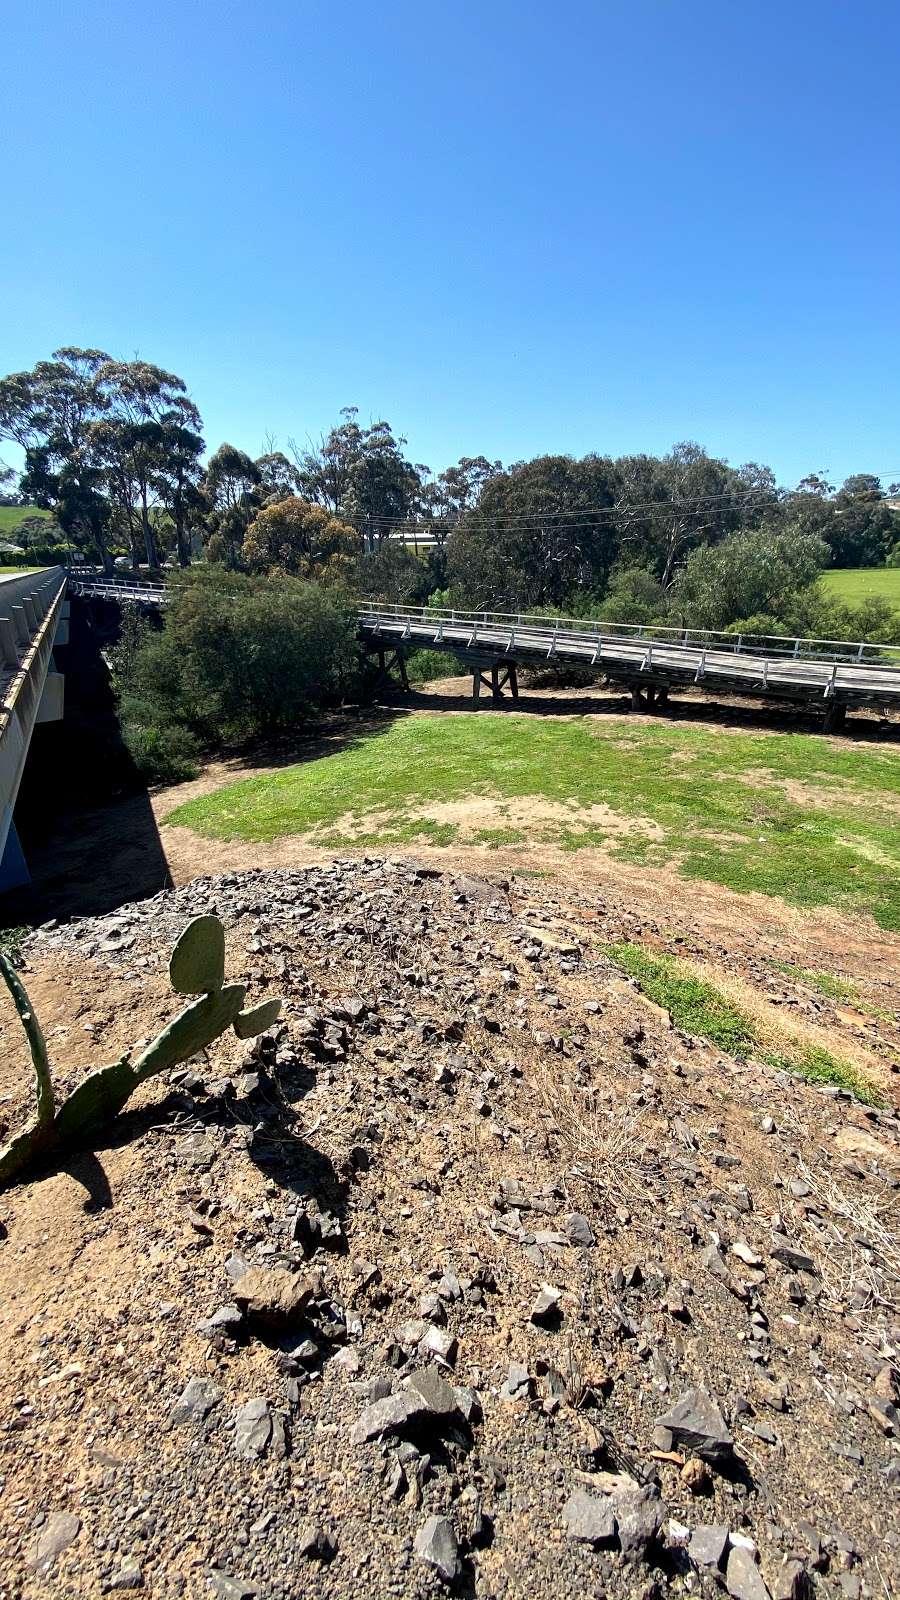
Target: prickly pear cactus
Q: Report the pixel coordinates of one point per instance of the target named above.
(197, 967)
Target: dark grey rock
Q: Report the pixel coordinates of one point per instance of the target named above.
(128, 1576)
(196, 1401)
(468, 1403)
(696, 1422)
(315, 1542)
(391, 1415)
(253, 1429)
(228, 1319)
(743, 1578)
(578, 1230)
(788, 1255)
(436, 1393)
(588, 1519)
(54, 1537)
(639, 1516)
(546, 1306)
(708, 1545)
(436, 1544)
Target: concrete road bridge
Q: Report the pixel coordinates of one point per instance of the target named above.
(33, 619)
(652, 662)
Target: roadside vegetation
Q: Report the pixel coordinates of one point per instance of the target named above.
(808, 819)
(699, 1008)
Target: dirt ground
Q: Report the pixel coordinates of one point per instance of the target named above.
(501, 1077)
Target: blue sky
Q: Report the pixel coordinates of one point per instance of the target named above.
(509, 227)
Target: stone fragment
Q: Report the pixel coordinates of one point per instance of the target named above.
(129, 1576)
(433, 1390)
(696, 1423)
(744, 1253)
(225, 1587)
(393, 1414)
(790, 1256)
(578, 1230)
(546, 1307)
(468, 1403)
(439, 1344)
(715, 1263)
(253, 1429)
(435, 1544)
(227, 1319)
(792, 1581)
(588, 1519)
(518, 1383)
(743, 1578)
(273, 1295)
(195, 1402)
(708, 1545)
(639, 1516)
(314, 1542)
(694, 1475)
(884, 1412)
(53, 1538)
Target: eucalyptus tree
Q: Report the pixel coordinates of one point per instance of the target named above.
(147, 415)
(51, 412)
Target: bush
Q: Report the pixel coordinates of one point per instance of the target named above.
(424, 666)
(236, 656)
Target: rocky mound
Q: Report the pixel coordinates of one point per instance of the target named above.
(475, 1276)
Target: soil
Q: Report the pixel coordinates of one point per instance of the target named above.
(497, 1077)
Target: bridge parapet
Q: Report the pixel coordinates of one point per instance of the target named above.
(31, 622)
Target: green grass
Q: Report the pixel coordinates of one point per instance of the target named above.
(853, 584)
(699, 1008)
(694, 1006)
(12, 516)
(824, 983)
(718, 800)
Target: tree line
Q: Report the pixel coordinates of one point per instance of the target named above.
(115, 450)
(260, 632)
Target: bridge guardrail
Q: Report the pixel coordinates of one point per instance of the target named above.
(773, 645)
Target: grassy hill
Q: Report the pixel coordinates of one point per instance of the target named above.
(12, 516)
(853, 584)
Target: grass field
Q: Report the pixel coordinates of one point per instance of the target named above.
(11, 516)
(853, 584)
(797, 816)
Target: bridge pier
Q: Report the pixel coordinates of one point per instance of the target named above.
(835, 717)
(387, 662)
(502, 676)
(649, 699)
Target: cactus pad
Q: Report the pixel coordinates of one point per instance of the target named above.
(198, 960)
(256, 1019)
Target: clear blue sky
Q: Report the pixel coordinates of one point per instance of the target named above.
(506, 226)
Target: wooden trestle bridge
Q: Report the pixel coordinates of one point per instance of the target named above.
(652, 662)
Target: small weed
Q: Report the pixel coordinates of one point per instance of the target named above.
(699, 1008)
(819, 1066)
(11, 943)
(824, 983)
(495, 837)
(694, 1006)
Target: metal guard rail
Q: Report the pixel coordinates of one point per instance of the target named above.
(584, 631)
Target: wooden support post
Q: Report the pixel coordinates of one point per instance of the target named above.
(835, 717)
(637, 700)
(476, 687)
(513, 681)
(401, 663)
(496, 686)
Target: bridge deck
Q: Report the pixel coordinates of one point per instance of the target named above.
(846, 674)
